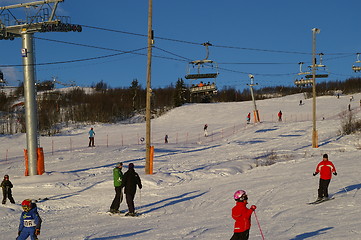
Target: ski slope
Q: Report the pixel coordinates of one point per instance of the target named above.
(190, 194)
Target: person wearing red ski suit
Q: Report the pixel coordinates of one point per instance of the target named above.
(325, 168)
(242, 215)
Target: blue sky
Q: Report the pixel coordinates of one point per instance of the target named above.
(264, 38)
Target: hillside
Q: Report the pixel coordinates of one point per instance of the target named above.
(189, 196)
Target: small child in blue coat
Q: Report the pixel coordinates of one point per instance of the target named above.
(30, 221)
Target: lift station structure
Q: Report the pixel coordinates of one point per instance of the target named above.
(44, 19)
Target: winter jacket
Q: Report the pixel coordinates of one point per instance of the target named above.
(6, 184)
(242, 215)
(91, 133)
(325, 168)
(130, 181)
(118, 177)
(30, 219)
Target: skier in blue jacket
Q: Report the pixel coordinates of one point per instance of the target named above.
(91, 137)
(30, 221)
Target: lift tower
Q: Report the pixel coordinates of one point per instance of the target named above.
(44, 19)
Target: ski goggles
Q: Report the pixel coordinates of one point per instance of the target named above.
(26, 208)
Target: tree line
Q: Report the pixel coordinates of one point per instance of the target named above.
(110, 105)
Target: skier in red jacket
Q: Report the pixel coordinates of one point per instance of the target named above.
(325, 168)
(242, 215)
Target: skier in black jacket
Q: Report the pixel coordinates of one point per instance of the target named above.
(6, 186)
(130, 181)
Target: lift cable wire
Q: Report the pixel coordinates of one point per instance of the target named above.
(214, 45)
(184, 59)
(77, 60)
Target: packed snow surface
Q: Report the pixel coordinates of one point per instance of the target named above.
(190, 194)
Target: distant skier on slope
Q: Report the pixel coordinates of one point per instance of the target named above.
(279, 116)
(6, 186)
(242, 215)
(30, 221)
(205, 129)
(91, 137)
(325, 168)
(248, 118)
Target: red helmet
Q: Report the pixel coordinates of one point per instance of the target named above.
(26, 205)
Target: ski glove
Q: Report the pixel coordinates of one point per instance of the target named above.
(335, 173)
(314, 174)
(253, 207)
(37, 232)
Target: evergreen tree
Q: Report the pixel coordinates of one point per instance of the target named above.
(180, 93)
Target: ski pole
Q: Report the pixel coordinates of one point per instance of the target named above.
(259, 226)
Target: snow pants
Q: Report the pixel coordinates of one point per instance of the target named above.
(26, 232)
(91, 141)
(323, 187)
(240, 235)
(7, 194)
(117, 199)
(130, 201)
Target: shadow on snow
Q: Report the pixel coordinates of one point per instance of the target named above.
(311, 234)
(119, 236)
(171, 201)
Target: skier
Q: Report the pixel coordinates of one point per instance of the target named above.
(242, 215)
(91, 137)
(118, 177)
(30, 221)
(6, 186)
(248, 118)
(130, 181)
(325, 168)
(280, 116)
(166, 138)
(205, 130)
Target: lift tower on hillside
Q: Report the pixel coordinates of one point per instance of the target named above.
(40, 17)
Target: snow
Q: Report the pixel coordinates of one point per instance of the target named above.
(189, 196)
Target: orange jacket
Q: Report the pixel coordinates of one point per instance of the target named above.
(325, 168)
(242, 215)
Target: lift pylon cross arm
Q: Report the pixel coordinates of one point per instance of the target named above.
(30, 4)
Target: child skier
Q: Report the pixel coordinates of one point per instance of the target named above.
(242, 215)
(30, 221)
(6, 186)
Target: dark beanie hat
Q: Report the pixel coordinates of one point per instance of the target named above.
(325, 156)
(131, 165)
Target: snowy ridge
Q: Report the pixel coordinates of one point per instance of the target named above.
(189, 196)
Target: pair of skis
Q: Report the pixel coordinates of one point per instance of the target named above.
(121, 214)
(321, 200)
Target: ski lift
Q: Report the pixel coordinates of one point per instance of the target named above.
(357, 67)
(302, 82)
(321, 69)
(203, 69)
